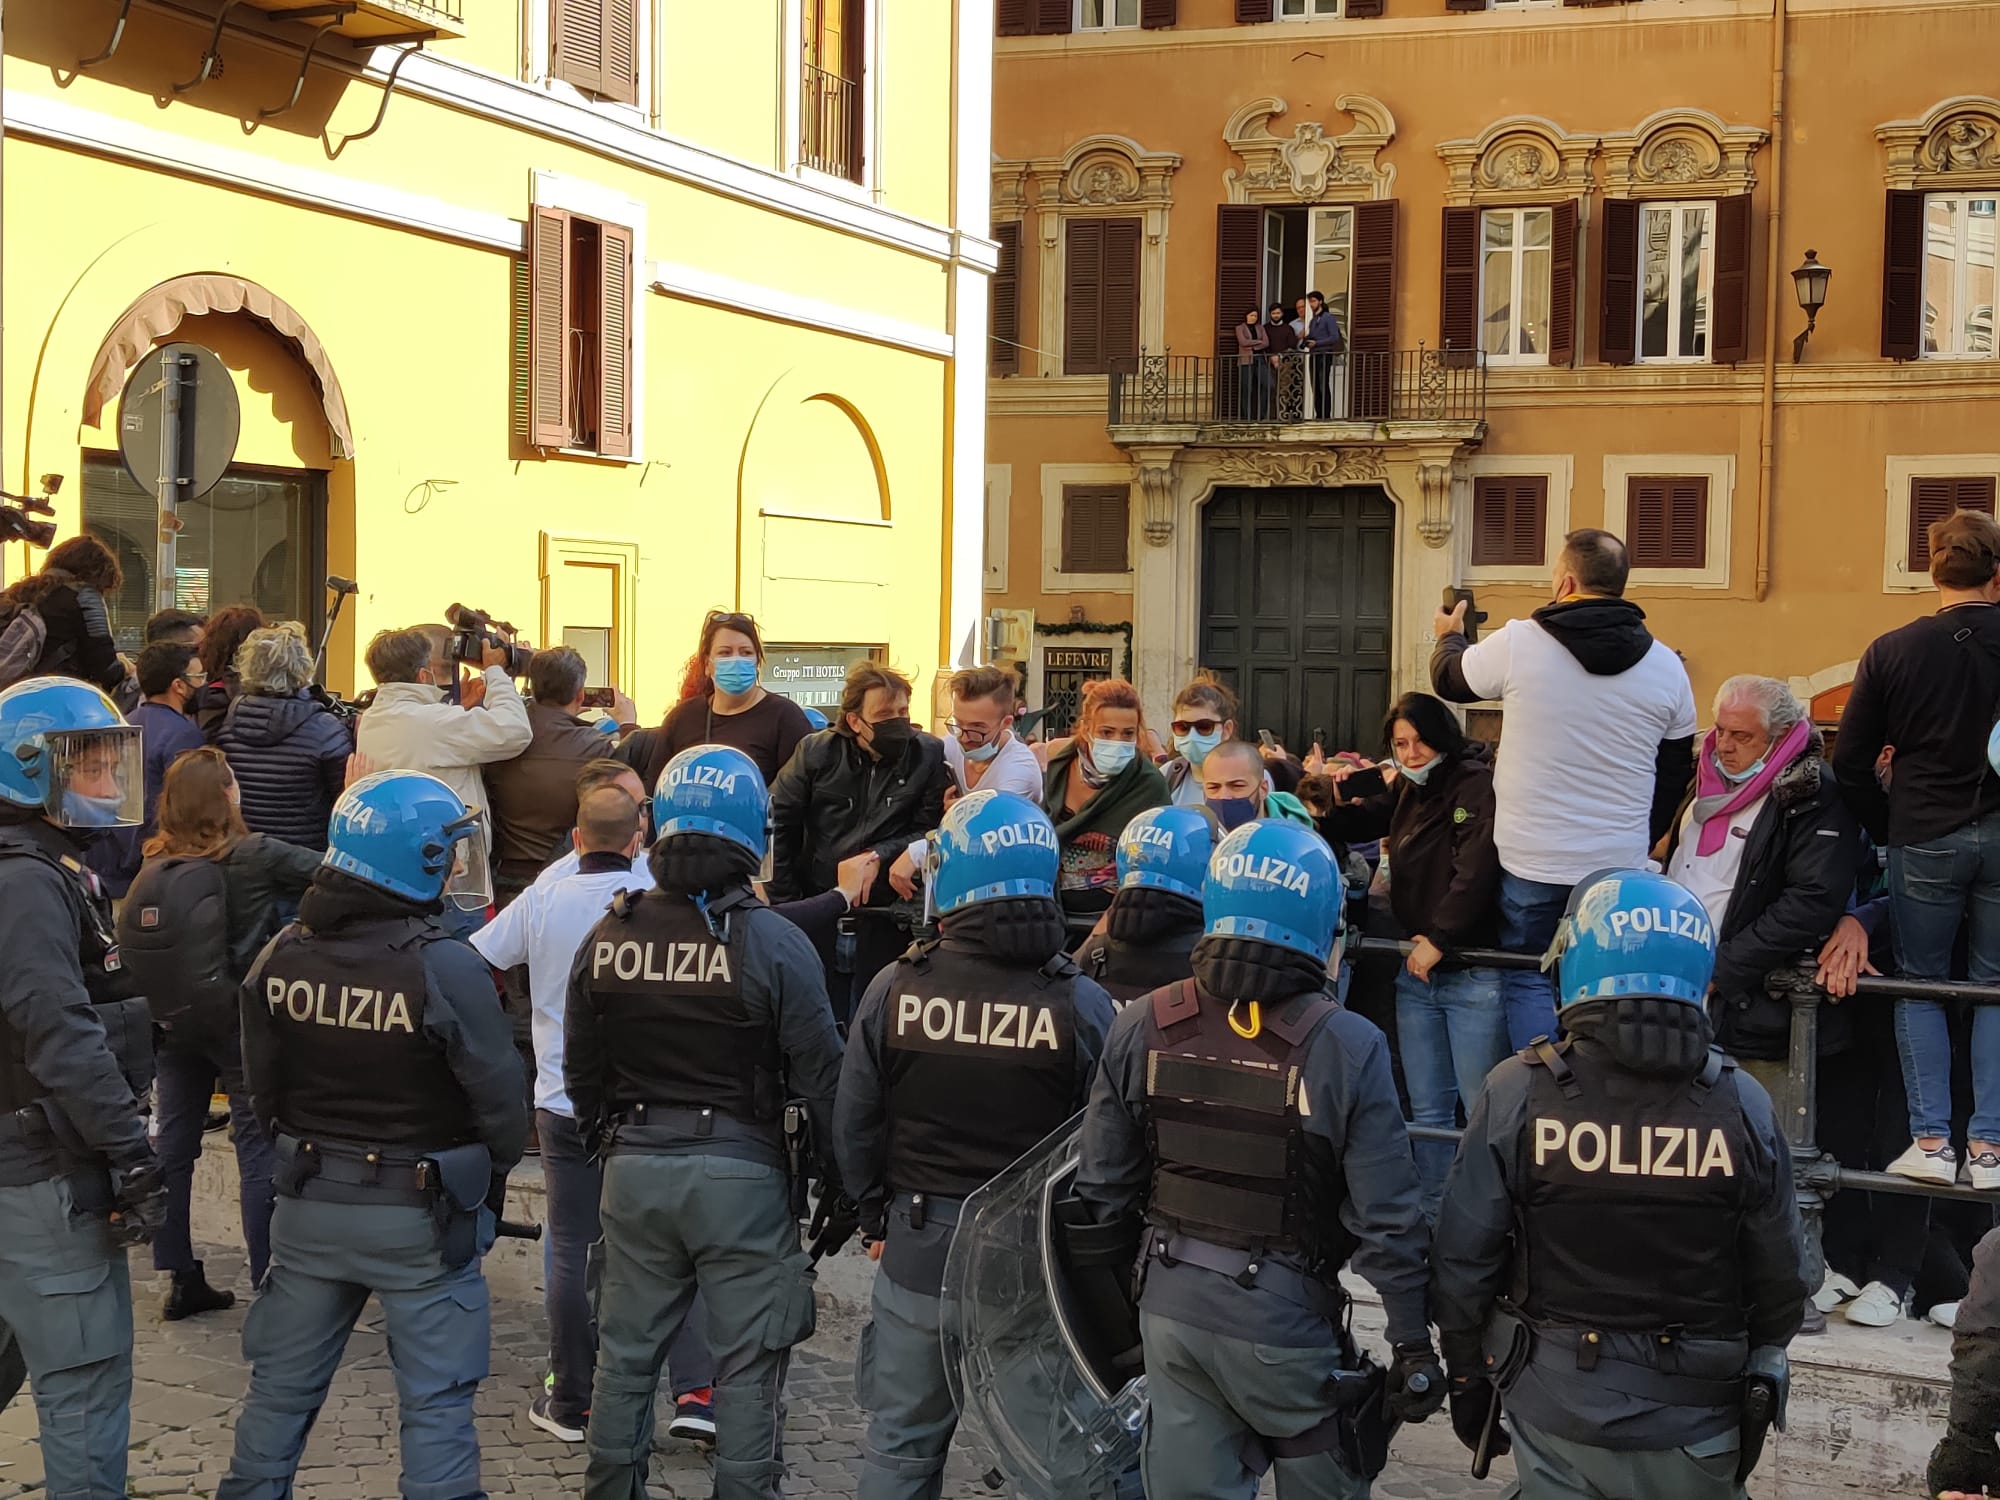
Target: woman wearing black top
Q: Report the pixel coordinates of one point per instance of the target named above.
(728, 706)
(68, 593)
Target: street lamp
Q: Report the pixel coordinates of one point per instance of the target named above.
(1810, 281)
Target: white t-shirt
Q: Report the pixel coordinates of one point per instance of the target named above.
(1574, 785)
(1013, 769)
(543, 927)
(1713, 878)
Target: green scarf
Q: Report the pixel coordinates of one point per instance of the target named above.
(1121, 799)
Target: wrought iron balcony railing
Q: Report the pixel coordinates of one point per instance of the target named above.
(1402, 385)
(831, 135)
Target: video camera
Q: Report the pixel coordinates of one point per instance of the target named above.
(15, 510)
(474, 630)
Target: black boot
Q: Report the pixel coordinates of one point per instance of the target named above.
(192, 1295)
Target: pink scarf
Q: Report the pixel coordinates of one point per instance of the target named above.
(1716, 800)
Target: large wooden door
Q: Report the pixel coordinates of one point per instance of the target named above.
(1296, 589)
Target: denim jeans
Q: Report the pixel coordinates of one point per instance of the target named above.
(1933, 887)
(1453, 1032)
(1529, 912)
(190, 1063)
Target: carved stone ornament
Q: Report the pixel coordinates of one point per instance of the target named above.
(1434, 525)
(1097, 171)
(1155, 473)
(1682, 153)
(1956, 145)
(1307, 165)
(1102, 180)
(1522, 159)
(1301, 466)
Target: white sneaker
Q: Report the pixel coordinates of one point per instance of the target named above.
(1835, 1290)
(1945, 1314)
(1982, 1170)
(1876, 1307)
(1920, 1165)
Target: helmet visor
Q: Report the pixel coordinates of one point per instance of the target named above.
(97, 777)
(469, 885)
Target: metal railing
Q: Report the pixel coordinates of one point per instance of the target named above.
(829, 141)
(431, 10)
(1299, 388)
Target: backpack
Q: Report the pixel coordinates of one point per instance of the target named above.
(173, 936)
(23, 636)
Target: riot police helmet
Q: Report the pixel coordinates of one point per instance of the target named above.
(1633, 933)
(1277, 883)
(717, 792)
(815, 718)
(408, 834)
(993, 845)
(1167, 849)
(67, 751)
(1993, 749)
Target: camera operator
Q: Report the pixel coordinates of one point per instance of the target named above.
(410, 726)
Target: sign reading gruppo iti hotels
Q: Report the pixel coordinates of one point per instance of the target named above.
(811, 676)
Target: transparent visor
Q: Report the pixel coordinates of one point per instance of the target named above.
(469, 885)
(97, 777)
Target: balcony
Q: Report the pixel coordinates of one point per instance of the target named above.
(374, 23)
(830, 135)
(1416, 395)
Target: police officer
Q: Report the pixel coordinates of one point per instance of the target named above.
(695, 1012)
(964, 1054)
(1147, 937)
(1255, 1125)
(77, 1179)
(376, 1051)
(1966, 1461)
(1618, 1249)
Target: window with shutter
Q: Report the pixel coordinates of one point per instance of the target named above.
(831, 102)
(1932, 499)
(1618, 284)
(1458, 302)
(581, 305)
(1509, 520)
(1372, 310)
(1562, 283)
(1358, 10)
(1100, 294)
(1249, 12)
(1666, 520)
(548, 329)
(1155, 14)
(1239, 250)
(1903, 276)
(1120, 302)
(1052, 17)
(1957, 274)
(1014, 17)
(1004, 314)
(614, 341)
(621, 51)
(1096, 528)
(1729, 323)
(576, 43)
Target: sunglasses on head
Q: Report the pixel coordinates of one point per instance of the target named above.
(1195, 726)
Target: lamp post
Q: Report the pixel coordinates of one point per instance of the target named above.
(1809, 280)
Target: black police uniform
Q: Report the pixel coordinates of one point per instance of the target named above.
(75, 1062)
(1147, 942)
(1967, 1458)
(376, 1050)
(963, 1056)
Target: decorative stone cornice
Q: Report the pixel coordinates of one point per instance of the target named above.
(1522, 159)
(1956, 145)
(1097, 172)
(1308, 165)
(1320, 467)
(1682, 153)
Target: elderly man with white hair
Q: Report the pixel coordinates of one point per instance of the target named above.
(286, 749)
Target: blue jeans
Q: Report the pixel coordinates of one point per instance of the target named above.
(1453, 1033)
(189, 1064)
(1529, 912)
(1933, 887)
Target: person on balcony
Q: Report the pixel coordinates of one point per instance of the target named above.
(1283, 345)
(1324, 338)
(1253, 370)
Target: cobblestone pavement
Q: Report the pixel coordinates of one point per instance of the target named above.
(189, 1376)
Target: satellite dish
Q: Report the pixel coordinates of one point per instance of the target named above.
(178, 423)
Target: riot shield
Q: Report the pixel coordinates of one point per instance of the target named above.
(1038, 1365)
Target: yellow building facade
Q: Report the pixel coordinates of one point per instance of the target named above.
(1559, 239)
(593, 314)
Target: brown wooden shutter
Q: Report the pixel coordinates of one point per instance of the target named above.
(1003, 323)
(1052, 17)
(1239, 269)
(1249, 12)
(1510, 520)
(548, 328)
(1729, 315)
(1371, 333)
(1932, 499)
(1618, 283)
(1083, 297)
(1458, 302)
(1014, 17)
(1362, 10)
(1562, 282)
(621, 51)
(1119, 338)
(1451, 5)
(615, 291)
(1903, 276)
(576, 43)
(1153, 14)
(1666, 520)
(1096, 527)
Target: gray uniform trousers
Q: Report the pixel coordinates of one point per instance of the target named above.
(66, 1311)
(899, 1381)
(673, 1224)
(1555, 1468)
(1212, 1396)
(326, 1258)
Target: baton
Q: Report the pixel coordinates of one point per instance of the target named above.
(507, 1229)
(1482, 1456)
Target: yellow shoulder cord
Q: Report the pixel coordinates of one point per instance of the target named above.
(1249, 1033)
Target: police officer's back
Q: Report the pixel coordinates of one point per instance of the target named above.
(963, 1055)
(1255, 1126)
(1967, 1459)
(695, 1012)
(1618, 1247)
(77, 1178)
(1147, 937)
(375, 1049)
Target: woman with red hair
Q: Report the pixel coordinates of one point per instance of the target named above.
(1096, 784)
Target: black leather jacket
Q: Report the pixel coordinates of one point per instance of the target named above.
(834, 800)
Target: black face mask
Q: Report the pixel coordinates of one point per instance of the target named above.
(891, 737)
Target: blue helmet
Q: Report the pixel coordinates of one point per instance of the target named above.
(993, 844)
(400, 831)
(1278, 883)
(1166, 848)
(1631, 932)
(1993, 748)
(65, 748)
(815, 718)
(716, 790)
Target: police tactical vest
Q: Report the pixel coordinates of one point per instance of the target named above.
(1633, 1187)
(677, 1030)
(980, 1063)
(1232, 1163)
(1129, 970)
(355, 1064)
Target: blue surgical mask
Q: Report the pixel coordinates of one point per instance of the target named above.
(1419, 774)
(1194, 748)
(1737, 778)
(983, 753)
(1112, 756)
(1233, 812)
(736, 675)
(79, 811)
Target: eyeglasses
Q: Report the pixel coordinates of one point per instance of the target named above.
(195, 679)
(729, 619)
(1195, 726)
(978, 734)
